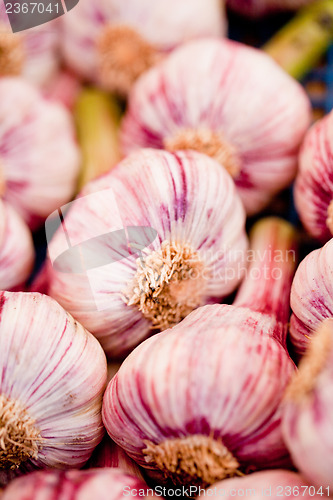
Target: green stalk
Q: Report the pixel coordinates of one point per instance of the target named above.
(97, 116)
(299, 45)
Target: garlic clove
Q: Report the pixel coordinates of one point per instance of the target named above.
(308, 410)
(258, 8)
(311, 296)
(102, 484)
(38, 173)
(53, 378)
(271, 483)
(198, 98)
(113, 44)
(17, 252)
(314, 183)
(196, 255)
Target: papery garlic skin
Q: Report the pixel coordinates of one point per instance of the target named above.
(158, 24)
(17, 253)
(101, 484)
(258, 8)
(39, 158)
(54, 374)
(272, 483)
(311, 296)
(214, 376)
(308, 410)
(207, 87)
(314, 182)
(40, 50)
(193, 206)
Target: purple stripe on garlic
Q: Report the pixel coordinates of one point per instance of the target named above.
(314, 183)
(311, 296)
(197, 257)
(226, 100)
(257, 8)
(201, 401)
(17, 252)
(39, 158)
(113, 42)
(93, 484)
(308, 410)
(52, 377)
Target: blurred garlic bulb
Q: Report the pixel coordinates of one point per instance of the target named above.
(39, 159)
(53, 374)
(201, 401)
(311, 296)
(16, 249)
(101, 484)
(155, 238)
(113, 42)
(229, 101)
(257, 8)
(314, 182)
(32, 54)
(271, 483)
(308, 410)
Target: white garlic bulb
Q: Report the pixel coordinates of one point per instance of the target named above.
(183, 245)
(17, 253)
(39, 156)
(113, 42)
(311, 296)
(53, 374)
(229, 101)
(32, 53)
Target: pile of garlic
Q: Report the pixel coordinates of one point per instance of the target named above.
(168, 343)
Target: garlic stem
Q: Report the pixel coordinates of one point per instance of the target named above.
(266, 288)
(11, 53)
(168, 285)
(329, 221)
(192, 459)
(18, 436)
(313, 363)
(123, 56)
(206, 141)
(298, 46)
(97, 117)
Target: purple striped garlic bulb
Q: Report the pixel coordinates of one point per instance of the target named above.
(271, 483)
(53, 374)
(114, 42)
(17, 253)
(258, 8)
(32, 54)
(39, 158)
(230, 102)
(308, 410)
(311, 296)
(314, 182)
(202, 401)
(101, 484)
(158, 236)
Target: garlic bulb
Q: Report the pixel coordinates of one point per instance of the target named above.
(39, 160)
(257, 8)
(32, 54)
(156, 237)
(202, 97)
(201, 401)
(311, 296)
(271, 483)
(17, 253)
(308, 411)
(101, 484)
(314, 183)
(113, 42)
(53, 377)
